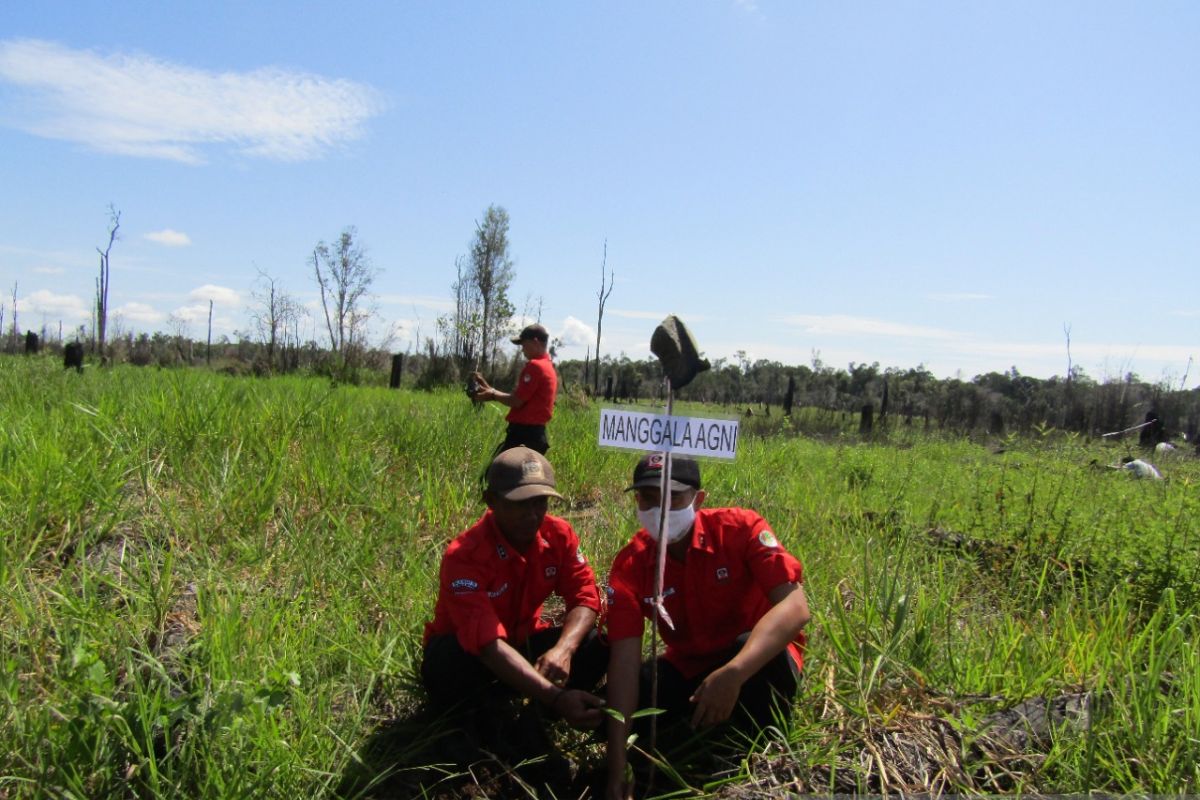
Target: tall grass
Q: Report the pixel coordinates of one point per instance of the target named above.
(215, 586)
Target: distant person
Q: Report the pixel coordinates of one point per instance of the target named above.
(1139, 468)
(532, 401)
(488, 645)
(734, 596)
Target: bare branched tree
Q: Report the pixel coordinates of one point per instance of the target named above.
(344, 274)
(14, 319)
(492, 274)
(1067, 333)
(465, 332)
(274, 311)
(114, 225)
(602, 295)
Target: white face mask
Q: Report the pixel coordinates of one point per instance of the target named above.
(679, 522)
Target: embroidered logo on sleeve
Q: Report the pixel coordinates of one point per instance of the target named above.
(768, 539)
(528, 377)
(551, 572)
(463, 585)
(579, 557)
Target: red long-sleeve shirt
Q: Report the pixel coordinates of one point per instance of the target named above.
(490, 591)
(719, 592)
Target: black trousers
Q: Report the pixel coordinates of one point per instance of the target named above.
(772, 687)
(454, 677)
(532, 436)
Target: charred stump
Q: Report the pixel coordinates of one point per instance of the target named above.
(866, 422)
(397, 371)
(73, 356)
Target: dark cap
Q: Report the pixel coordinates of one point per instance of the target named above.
(685, 473)
(521, 473)
(534, 331)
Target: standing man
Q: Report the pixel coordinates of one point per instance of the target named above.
(488, 644)
(735, 598)
(532, 401)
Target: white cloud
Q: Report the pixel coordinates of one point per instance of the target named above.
(48, 270)
(140, 312)
(218, 294)
(576, 334)
(169, 238)
(197, 312)
(59, 306)
(845, 325)
(141, 106)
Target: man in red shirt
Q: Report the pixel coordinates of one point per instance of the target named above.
(487, 643)
(734, 647)
(532, 401)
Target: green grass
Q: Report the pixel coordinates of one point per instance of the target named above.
(215, 586)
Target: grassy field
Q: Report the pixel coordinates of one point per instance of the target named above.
(215, 587)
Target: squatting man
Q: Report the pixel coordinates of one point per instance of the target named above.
(734, 648)
(488, 644)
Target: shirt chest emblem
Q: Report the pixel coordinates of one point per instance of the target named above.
(722, 574)
(550, 572)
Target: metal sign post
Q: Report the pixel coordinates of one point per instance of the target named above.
(681, 362)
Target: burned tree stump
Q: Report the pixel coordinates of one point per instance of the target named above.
(73, 356)
(867, 422)
(31, 343)
(397, 371)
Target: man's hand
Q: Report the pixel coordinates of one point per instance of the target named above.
(716, 697)
(580, 709)
(483, 391)
(555, 665)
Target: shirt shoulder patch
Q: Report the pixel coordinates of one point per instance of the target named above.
(767, 539)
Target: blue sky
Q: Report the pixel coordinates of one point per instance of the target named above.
(946, 184)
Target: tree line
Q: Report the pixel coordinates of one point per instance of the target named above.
(473, 336)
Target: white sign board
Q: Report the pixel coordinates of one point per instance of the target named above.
(638, 430)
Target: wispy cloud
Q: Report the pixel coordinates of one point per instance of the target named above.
(862, 326)
(957, 297)
(60, 306)
(140, 312)
(141, 106)
(220, 295)
(48, 270)
(657, 316)
(419, 301)
(169, 238)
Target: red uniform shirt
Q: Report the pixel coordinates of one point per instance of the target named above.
(537, 385)
(718, 593)
(490, 591)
